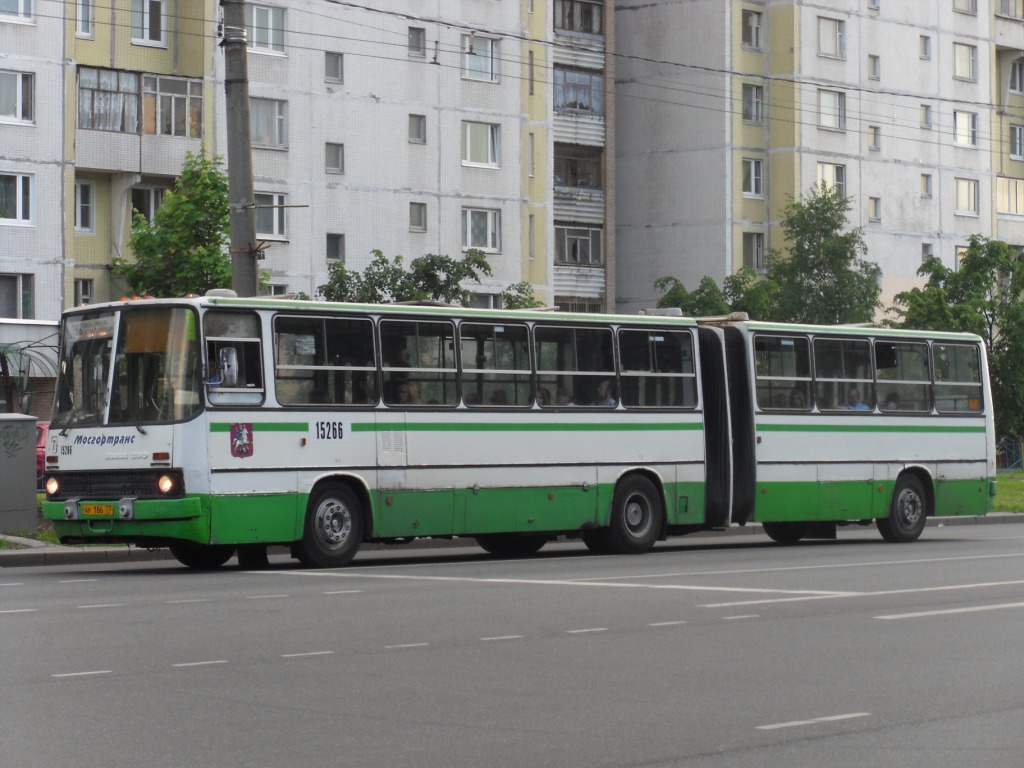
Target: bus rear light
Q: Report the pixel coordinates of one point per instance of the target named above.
(52, 485)
(161, 456)
(165, 484)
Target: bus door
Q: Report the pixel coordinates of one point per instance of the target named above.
(717, 434)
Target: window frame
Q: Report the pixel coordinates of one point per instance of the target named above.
(965, 128)
(277, 138)
(492, 234)
(24, 187)
(417, 129)
(751, 23)
(122, 106)
(837, 176)
(417, 216)
(831, 113)
(472, 57)
(753, 251)
(157, 99)
(23, 106)
(276, 205)
(24, 286)
(335, 73)
(85, 208)
(966, 190)
(416, 41)
(85, 18)
(23, 13)
(142, 13)
(831, 38)
(752, 103)
(1016, 141)
(473, 134)
(572, 17)
(578, 162)
(336, 164)
(338, 247)
(569, 87)
(265, 28)
(971, 62)
(579, 245)
(753, 177)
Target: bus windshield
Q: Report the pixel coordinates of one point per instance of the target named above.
(135, 366)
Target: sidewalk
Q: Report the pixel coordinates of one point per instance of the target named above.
(37, 553)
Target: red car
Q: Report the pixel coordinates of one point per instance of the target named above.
(42, 427)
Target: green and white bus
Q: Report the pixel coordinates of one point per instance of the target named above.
(218, 425)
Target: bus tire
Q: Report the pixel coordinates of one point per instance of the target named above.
(201, 557)
(333, 530)
(908, 512)
(785, 533)
(509, 545)
(636, 516)
(597, 541)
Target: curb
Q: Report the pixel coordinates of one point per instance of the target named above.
(42, 553)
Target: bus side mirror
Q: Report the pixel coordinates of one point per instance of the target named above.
(227, 361)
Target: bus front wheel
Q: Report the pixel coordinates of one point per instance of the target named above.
(636, 516)
(202, 557)
(333, 529)
(908, 512)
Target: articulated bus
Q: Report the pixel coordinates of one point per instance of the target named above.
(220, 425)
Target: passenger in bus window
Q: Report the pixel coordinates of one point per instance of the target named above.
(854, 400)
(563, 396)
(408, 393)
(797, 399)
(892, 402)
(605, 394)
(543, 397)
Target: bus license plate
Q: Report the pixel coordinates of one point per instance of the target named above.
(97, 510)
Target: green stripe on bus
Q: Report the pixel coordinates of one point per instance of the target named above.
(918, 428)
(266, 426)
(519, 427)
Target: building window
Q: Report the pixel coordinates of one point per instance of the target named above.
(1017, 75)
(924, 47)
(268, 121)
(481, 144)
(965, 61)
(417, 217)
(753, 250)
(18, 9)
(752, 30)
(145, 200)
(334, 158)
(832, 37)
(832, 110)
(926, 115)
(874, 209)
(1012, 8)
(966, 197)
(874, 137)
(172, 106)
(965, 6)
(85, 203)
(418, 129)
(532, 149)
(336, 248)
(577, 245)
(579, 16)
(85, 13)
(148, 22)
(1017, 142)
(334, 67)
(84, 292)
(108, 100)
(16, 92)
(874, 67)
(753, 103)
(959, 254)
(17, 297)
(530, 70)
(927, 251)
(481, 228)
(833, 176)
(926, 185)
(965, 128)
(578, 90)
(16, 193)
(417, 41)
(753, 177)
(264, 27)
(577, 166)
(874, 5)
(480, 58)
(270, 209)
(1010, 196)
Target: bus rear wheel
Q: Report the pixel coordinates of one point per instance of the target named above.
(333, 529)
(908, 512)
(202, 557)
(636, 516)
(785, 533)
(507, 545)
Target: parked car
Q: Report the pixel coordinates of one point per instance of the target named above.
(42, 427)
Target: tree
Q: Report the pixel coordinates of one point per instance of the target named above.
(429, 278)
(182, 250)
(520, 296)
(823, 278)
(982, 296)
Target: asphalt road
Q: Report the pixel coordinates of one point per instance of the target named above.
(707, 652)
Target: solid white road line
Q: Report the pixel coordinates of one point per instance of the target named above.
(813, 721)
(951, 611)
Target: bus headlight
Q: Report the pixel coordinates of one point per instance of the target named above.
(52, 486)
(165, 484)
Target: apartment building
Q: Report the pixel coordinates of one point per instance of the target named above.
(400, 126)
(910, 109)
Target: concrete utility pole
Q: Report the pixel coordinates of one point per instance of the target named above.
(236, 89)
